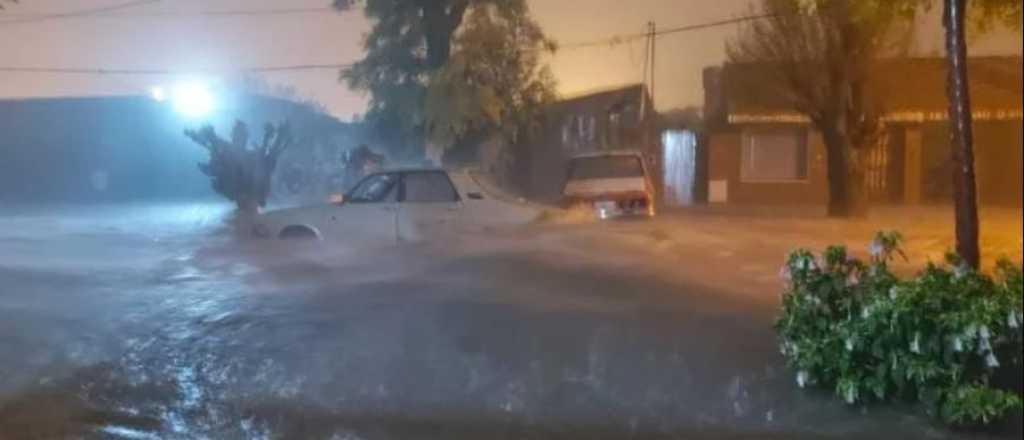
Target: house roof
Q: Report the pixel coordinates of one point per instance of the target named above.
(906, 89)
(601, 99)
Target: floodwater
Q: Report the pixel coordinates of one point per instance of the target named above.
(151, 321)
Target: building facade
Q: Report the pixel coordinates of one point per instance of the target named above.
(761, 151)
(123, 148)
(614, 119)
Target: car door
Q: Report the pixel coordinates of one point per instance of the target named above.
(429, 206)
(369, 213)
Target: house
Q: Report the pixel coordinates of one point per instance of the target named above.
(611, 119)
(760, 151)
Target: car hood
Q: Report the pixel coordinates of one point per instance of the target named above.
(596, 187)
(288, 214)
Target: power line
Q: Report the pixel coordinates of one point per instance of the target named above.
(168, 72)
(78, 14)
(615, 40)
(627, 38)
(186, 14)
(726, 22)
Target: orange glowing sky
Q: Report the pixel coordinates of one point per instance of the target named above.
(213, 43)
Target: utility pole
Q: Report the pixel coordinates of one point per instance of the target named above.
(965, 197)
(647, 90)
(653, 29)
(643, 81)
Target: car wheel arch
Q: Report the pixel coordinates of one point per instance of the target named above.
(299, 231)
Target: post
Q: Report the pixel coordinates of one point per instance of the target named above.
(654, 57)
(643, 82)
(965, 198)
(912, 167)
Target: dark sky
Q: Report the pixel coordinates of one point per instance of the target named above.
(164, 36)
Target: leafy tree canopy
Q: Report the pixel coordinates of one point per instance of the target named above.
(984, 14)
(443, 68)
(494, 81)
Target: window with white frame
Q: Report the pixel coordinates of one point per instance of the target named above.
(774, 155)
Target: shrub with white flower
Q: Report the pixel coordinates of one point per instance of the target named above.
(938, 338)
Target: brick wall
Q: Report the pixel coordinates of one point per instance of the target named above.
(724, 155)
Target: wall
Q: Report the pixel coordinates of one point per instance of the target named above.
(998, 163)
(110, 149)
(546, 170)
(724, 156)
(96, 149)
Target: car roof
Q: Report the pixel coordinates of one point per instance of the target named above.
(608, 153)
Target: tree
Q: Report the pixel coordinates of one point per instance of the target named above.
(494, 82)
(240, 171)
(408, 51)
(821, 61)
(429, 24)
(819, 55)
(409, 39)
(988, 13)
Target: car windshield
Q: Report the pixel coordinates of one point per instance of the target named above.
(605, 167)
(511, 219)
(376, 188)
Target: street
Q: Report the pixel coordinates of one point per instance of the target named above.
(152, 321)
(476, 220)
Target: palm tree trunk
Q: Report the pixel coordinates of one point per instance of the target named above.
(965, 197)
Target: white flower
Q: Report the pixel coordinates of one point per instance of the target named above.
(960, 271)
(893, 292)
(806, 263)
(784, 273)
(849, 344)
(915, 346)
(971, 332)
(958, 344)
(984, 346)
(801, 379)
(875, 249)
(1011, 320)
(983, 332)
(865, 313)
(851, 395)
(991, 360)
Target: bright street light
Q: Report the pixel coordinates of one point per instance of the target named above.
(158, 94)
(193, 100)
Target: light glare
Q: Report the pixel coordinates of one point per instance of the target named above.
(158, 94)
(193, 100)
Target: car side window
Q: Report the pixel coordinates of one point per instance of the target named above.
(378, 188)
(428, 187)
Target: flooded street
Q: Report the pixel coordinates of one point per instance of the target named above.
(151, 321)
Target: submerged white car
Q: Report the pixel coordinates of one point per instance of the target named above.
(384, 207)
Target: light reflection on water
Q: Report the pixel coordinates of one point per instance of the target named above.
(176, 332)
